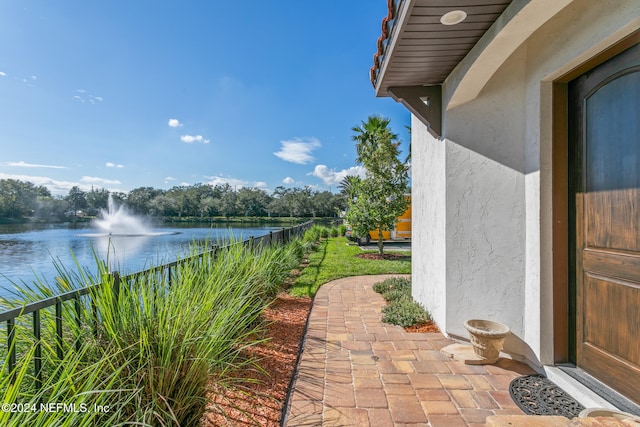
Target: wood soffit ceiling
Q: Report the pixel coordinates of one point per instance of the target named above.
(422, 50)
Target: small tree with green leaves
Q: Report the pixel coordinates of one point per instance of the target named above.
(380, 195)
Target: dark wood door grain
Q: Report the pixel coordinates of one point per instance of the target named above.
(604, 142)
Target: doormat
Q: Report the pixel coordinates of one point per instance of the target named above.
(537, 395)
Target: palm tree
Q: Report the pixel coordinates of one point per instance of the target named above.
(372, 142)
(349, 186)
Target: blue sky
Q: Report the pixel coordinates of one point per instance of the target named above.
(123, 94)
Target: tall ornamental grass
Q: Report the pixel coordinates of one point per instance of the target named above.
(159, 344)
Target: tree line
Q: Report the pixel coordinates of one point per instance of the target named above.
(25, 200)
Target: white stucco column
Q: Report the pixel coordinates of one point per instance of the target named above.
(428, 242)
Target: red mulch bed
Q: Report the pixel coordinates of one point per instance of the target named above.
(423, 327)
(387, 256)
(260, 403)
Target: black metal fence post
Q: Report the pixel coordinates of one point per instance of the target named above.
(76, 303)
(37, 359)
(94, 315)
(116, 287)
(11, 334)
(59, 352)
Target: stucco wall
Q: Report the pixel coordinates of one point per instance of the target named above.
(486, 206)
(428, 259)
(491, 179)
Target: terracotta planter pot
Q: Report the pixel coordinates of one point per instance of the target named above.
(487, 337)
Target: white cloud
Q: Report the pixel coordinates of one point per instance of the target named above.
(96, 180)
(190, 139)
(29, 81)
(288, 180)
(174, 123)
(56, 187)
(298, 150)
(221, 180)
(235, 182)
(84, 96)
(331, 177)
(2, 74)
(22, 164)
(113, 165)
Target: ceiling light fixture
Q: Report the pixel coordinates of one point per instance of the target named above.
(454, 17)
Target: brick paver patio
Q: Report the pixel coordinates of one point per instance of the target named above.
(357, 371)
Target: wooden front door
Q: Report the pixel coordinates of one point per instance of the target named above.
(604, 169)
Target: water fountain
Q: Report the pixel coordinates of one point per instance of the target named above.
(121, 235)
(117, 221)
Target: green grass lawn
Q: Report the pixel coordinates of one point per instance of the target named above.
(335, 258)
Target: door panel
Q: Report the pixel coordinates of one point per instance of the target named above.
(605, 164)
(616, 301)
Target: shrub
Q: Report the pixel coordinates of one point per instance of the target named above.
(402, 310)
(324, 232)
(313, 234)
(281, 260)
(342, 229)
(334, 232)
(396, 294)
(392, 286)
(405, 312)
(298, 248)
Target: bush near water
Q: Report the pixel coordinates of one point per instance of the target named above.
(158, 347)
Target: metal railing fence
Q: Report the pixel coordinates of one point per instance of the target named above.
(34, 309)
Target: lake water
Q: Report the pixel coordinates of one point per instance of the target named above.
(30, 250)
